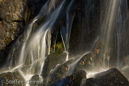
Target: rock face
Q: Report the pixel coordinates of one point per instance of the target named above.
(14, 15)
(11, 20)
(112, 77)
(11, 23)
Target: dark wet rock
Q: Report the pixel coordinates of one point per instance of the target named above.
(85, 63)
(63, 82)
(11, 79)
(59, 72)
(90, 82)
(111, 77)
(36, 80)
(83, 83)
(77, 77)
(51, 62)
(125, 71)
(72, 80)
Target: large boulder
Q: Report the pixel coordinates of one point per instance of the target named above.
(111, 77)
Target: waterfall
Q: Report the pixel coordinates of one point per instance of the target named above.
(33, 47)
(65, 32)
(108, 27)
(113, 22)
(122, 18)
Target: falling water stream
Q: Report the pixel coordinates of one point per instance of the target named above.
(108, 26)
(32, 48)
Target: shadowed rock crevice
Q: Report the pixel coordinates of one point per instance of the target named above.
(1, 19)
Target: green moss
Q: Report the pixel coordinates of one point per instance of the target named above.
(58, 48)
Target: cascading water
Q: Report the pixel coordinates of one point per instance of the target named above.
(28, 55)
(108, 26)
(65, 32)
(113, 21)
(33, 47)
(122, 19)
